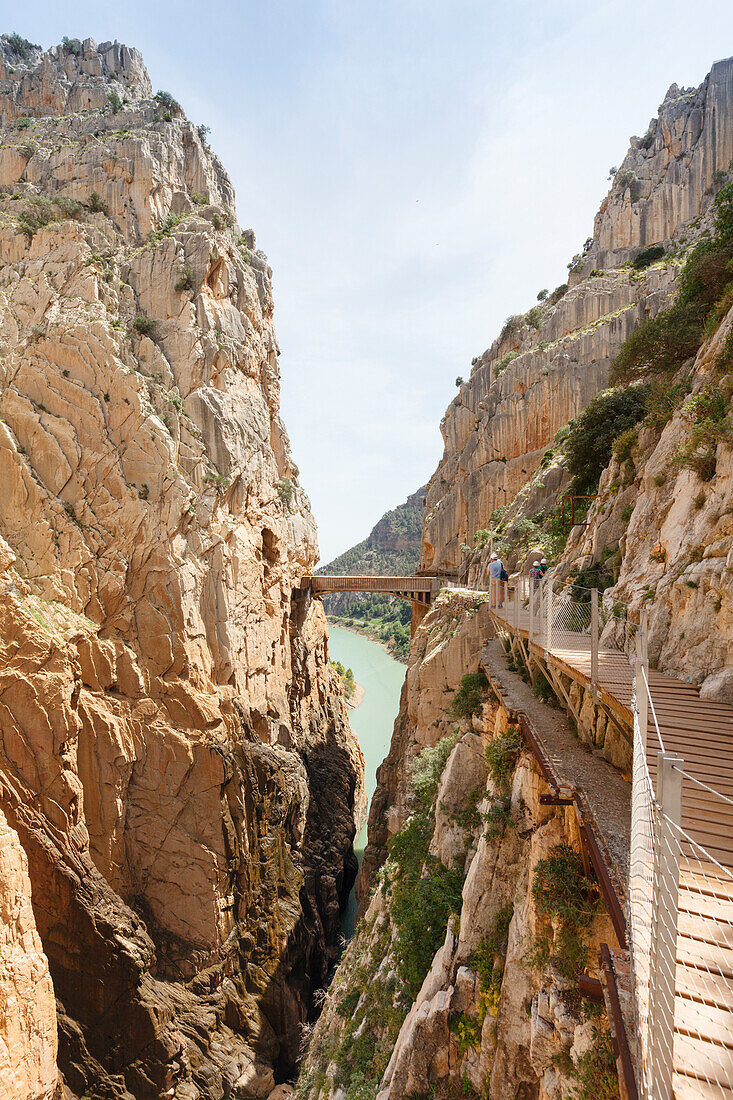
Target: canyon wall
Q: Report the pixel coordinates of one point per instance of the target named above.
(175, 754)
(549, 363)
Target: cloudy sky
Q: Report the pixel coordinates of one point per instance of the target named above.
(416, 170)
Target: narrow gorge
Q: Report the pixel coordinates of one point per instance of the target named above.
(180, 789)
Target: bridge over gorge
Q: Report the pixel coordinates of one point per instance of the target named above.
(420, 589)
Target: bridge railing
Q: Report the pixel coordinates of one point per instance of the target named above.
(681, 921)
(320, 582)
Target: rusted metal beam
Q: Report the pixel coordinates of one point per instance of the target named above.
(556, 800)
(591, 988)
(618, 1029)
(608, 890)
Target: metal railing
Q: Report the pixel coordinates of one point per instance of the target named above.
(680, 897)
(681, 923)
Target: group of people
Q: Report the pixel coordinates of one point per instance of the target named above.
(498, 574)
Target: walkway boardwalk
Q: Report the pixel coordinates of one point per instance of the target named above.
(700, 732)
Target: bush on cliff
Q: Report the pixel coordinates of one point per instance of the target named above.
(589, 441)
(662, 344)
(470, 696)
(423, 892)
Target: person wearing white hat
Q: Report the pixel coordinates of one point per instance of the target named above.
(535, 573)
(544, 566)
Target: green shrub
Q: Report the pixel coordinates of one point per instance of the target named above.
(498, 817)
(20, 45)
(502, 364)
(424, 893)
(187, 280)
(589, 441)
(285, 491)
(72, 45)
(28, 149)
(167, 103)
(648, 257)
(596, 575)
(542, 295)
(96, 203)
(558, 293)
(470, 696)
(143, 325)
(426, 770)
(23, 123)
(562, 890)
(707, 415)
(70, 208)
(623, 444)
(115, 102)
(502, 755)
(596, 1069)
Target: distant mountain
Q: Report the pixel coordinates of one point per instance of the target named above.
(391, 549)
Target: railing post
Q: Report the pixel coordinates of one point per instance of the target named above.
(548, 614)
(517, 599)
(506, 597)
(663, 968)
(594, 636)
(641, 697)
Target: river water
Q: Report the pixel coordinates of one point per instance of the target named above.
(372, 721)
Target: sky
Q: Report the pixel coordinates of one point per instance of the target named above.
(416, 171)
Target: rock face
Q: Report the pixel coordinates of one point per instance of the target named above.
(27, 1008)
(674, 533)
(548, 364)
(175, 753)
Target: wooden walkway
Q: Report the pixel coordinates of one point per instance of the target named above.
(701, 732)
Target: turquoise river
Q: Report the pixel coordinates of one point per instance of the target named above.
(372, 721)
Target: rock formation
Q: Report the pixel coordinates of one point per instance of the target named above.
(27, 1010)
(175, 755)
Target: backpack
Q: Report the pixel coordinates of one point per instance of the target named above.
(503, 576)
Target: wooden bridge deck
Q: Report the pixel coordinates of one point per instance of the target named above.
(418, 589)
(701, 732)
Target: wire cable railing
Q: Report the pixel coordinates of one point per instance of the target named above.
(680, 895)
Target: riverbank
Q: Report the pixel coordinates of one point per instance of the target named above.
(356, 697)
(365, 632)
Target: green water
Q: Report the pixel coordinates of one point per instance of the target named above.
(372, 721)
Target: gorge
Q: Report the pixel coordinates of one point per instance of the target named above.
(180, 788)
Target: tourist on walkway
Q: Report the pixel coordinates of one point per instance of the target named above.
(535, 575)
(496, 569)
(544, 566)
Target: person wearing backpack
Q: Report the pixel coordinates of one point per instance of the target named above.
(497, 574)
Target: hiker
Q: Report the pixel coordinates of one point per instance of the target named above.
(535, 575)
(497, 572)
(544, 566)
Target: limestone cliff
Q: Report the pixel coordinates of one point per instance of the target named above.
(547, 364)
(175, 752)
